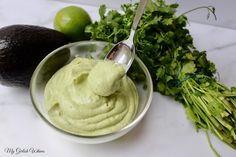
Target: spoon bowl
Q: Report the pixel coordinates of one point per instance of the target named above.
(124, 51)
(123, 54)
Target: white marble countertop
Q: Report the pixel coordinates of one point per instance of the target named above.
(164, 132)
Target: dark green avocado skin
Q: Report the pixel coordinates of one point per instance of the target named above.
(22, 47)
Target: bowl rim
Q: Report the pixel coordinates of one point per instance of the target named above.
(135, 121)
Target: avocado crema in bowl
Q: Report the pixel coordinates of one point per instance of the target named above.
(87, 99)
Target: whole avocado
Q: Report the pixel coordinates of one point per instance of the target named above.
(22, 47)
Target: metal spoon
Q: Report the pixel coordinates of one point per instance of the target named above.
(124, 51)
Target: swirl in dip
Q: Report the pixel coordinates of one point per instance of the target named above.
(91, 97)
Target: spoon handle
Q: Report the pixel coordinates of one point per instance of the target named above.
(139, 13)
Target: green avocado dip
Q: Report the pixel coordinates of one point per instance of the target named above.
(91, 97)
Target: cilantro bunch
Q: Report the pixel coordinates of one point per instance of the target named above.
(162, 42)
(177, 68)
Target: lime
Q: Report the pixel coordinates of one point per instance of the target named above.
(72, 21)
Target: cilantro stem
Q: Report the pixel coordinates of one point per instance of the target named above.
(210, 144)
(210, 9)
(210, 109)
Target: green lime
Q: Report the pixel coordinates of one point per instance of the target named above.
(72, 21)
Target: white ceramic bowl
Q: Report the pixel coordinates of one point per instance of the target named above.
(61, 56)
